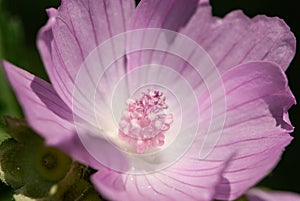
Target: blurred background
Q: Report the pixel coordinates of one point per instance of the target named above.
(20, 21)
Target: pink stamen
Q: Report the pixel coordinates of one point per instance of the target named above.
(145, 122)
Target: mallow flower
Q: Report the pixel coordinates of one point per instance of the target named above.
(163, 100)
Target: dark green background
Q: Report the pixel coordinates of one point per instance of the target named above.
(31, 14)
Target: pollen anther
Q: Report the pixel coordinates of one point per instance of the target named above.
(145, 121)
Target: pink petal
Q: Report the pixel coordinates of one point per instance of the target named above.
(256, 127)
(261, 195)
(204, 2)
(50, 117)
(42, 106)
(73, 31)
(188, 179)
(237, 39)
(168, 14)
(256, 132)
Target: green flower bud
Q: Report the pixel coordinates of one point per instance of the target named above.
(51, 163)
(41, 173)
(28, 166)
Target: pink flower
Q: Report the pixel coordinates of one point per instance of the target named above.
(199, 112)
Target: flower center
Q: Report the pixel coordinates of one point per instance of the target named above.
(145, 121)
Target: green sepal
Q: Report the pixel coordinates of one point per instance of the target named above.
(3, 135)
(21, 132)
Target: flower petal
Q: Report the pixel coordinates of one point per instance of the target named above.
(41, 104)
(237, 39)
(254, 116)
(49, 116)
(162, 15)
(261, 195)
(188, 179)
(73, 31)
(256, 127)
(168, 14)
